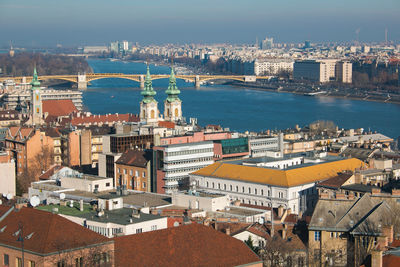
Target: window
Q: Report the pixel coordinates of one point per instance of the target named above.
(119, 170)
(144, 184)
(130, 172)
(136, 173)
(79, 262)
(249, 190)
(107, 184)
(139, 230)
(243, 189)
(317, 235)
(255, 191)
(18, 262)
(207, 184)
(237, 188)
(332, 235)
(213, 185)
(231, 187)
(31, 264)
(6, 259)
(153, 227)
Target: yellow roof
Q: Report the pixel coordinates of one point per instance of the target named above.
(285, 178)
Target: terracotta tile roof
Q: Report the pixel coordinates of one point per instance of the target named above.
(108, 118)
(335, 182)
(53, 169)
(390, 260)
(166, 124)
(50, 232)
(284, 178)
(60, 107)
(187, 245)
(134, 158)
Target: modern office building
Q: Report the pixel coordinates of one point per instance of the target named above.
(173, 163)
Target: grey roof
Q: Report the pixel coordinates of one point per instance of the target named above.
(359, 188)
(359, 153)
(361, 216)
(119, 216)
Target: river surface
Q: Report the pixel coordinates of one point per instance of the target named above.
(237, 108)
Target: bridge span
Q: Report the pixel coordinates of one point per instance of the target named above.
(82, 80)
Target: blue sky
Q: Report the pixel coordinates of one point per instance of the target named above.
(85, 22)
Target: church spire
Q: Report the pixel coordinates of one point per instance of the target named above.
(172, 91)
(148, 92)
(35, 81)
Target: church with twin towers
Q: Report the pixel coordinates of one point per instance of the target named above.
(149, 113)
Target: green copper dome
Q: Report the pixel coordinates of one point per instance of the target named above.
(172, 91)
(35, 81)
(148, 92)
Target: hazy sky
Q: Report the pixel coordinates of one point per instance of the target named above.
(86, 22)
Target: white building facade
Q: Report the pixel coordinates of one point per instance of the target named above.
(181, 159)
(295, 197)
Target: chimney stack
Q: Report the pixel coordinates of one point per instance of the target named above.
(376, 258)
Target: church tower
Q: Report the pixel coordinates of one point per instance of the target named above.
(36, 101)
(172, 105)
(148, 106)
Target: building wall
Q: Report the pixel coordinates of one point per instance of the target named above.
(296, 198)
(87, 185)
(86, 147)
(331, 244)
(7, 178)
(196, 137)
(38, 143)
(133, 177)
(199, 202)
(51, 260)
(74, 149)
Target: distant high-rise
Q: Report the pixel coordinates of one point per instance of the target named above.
(268, 43)
(307, 44)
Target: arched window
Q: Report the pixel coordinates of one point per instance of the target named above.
(176, 112)
(152, 114)
(207, 184)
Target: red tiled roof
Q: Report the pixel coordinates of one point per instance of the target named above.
(134, 158)
(390, 260)
(61, 107)
(50, 172)
(336, 182)
(108, 118)
(50, 232)
(166, 124)
(188, 245)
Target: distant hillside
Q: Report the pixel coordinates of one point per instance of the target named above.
(22, 64)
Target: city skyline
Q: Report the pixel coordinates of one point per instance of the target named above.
(98, 22)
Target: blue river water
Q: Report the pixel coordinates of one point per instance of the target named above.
(238, 108)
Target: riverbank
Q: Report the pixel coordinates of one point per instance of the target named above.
(335, 94)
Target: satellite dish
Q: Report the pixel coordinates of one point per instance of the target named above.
(4, 194)
(9, 196)
(62, 196)
(176, 224)
(34, 201)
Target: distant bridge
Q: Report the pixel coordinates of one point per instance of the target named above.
(83, 79)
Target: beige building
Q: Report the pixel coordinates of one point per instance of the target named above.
(7, 177)
(323, 70)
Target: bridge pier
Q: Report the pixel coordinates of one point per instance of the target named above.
(141, 80)
(197, 82)
(82, 82)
